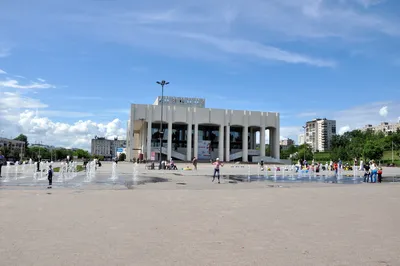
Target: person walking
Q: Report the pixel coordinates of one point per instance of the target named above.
(194, 162)
(374, 172)
(50, 176)
(2, 161)
(217, 164)
(367, 173)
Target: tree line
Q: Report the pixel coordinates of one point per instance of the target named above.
(44, 153)
(363, 145)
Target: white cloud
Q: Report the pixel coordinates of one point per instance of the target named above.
(2, 71)
(33, 85)
(9, 100)
(383, 111)
(4, 52)
(307, 114)
(243, 47)
(344, 129)
(19, 114)
(41, 80)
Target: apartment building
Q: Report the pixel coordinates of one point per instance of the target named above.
(319, 133)
(106, 147)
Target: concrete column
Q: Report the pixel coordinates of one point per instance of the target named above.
(142, 137)
(221, 142)
(169, 142)
(251, 138)
(196, 140)
(245, 143)
(148, 153)
(262, 141)
(271, 142)
(189, 143)
(227, 143)
(277, 150)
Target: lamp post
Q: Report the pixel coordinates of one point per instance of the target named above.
(162, 83)
(304, 127)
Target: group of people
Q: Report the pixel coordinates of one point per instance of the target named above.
(372, 173)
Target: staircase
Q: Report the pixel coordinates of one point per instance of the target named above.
(174, 154)
(235, 156)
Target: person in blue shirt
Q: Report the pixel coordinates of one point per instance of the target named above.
(2, 161)
(50, 176)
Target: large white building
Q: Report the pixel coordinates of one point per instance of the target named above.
(319, 133)
(189, 129)
(384, 127)
(106, 147)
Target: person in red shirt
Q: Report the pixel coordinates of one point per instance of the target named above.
(380, 175)
(335, 166)
(217, 164)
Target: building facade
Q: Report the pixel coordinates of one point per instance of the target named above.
(319, 133)
(189, 129)
(286, 143)
(384, 127)
(13, 146)
(300, 139)
(106, 147)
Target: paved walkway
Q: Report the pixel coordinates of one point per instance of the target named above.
(202, 223)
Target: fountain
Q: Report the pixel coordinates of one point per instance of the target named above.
(114, 174)
(90, 171)
(135, 174)
(16, 170)
(275, 169)
(7, 172)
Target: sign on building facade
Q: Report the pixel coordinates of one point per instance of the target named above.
(204, 150)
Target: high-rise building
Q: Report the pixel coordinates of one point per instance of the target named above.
(106, 147)
(300, 139)
(319, 133)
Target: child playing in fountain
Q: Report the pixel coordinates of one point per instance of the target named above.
(380, 175)
(50, 176)
(217, 164)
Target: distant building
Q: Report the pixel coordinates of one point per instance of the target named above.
(44, 146)
(13, 146)
(384, 127)
(300, 139)
(319, 133)
(286, 143)
(106, 147)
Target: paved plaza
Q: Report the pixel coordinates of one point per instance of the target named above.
(188, 220)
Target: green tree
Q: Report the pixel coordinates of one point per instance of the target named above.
(22, 137)
(372, 150)
(81, 154)
(122, 157)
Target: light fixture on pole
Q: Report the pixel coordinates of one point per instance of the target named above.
(162, 83)
(304, 143)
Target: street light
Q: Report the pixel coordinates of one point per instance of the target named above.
(304, 143)
(162, 83)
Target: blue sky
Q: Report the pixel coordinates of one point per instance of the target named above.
(70, 69)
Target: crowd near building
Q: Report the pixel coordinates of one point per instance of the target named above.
(384, 127)
(188, 129)
(108, 148)
(319, 133)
